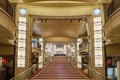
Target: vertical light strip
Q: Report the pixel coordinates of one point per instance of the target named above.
(22, 24)
(79, 61)
(98, 37)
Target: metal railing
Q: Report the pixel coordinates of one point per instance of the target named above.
(93, 74)
(27, 73)
(115, 4)
(6, 6)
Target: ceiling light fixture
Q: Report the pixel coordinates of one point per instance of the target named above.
(97, 11)
(41, 20)
(78, 20)
(45, 20)
(22, 11)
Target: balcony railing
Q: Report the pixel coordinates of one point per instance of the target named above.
(6, 6)
(115, 4)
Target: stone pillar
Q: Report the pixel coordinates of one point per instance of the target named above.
(41, 55)
(92, 55)
(118, 70)
(68, 51)
(55, 49)
(44, 53)
(76, 55)
(23, 43)
(94, 60)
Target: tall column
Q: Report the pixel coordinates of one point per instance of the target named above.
(96, 48)
(78, 56)
(118, 69)
(23, 41)
(41, 56)
(44, 52)
(54, 48)
(68, 51)
(66, 48)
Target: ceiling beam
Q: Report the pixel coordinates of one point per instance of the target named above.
(16, 1)
(89, 1)
(53, 0)
(36, 36)
(61, 0)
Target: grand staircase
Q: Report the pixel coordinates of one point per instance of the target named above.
(60, 69)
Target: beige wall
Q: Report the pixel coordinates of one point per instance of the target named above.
(6, 50)
(59, 11)
(113, 50)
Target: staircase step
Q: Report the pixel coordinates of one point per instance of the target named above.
(60, 69)
(59, 79)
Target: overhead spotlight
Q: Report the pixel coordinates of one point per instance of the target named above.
(34, 19)
(23, 11)
(41, 20)
(45, 20)
(78, 20)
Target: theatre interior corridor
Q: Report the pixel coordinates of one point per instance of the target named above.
(59, 40)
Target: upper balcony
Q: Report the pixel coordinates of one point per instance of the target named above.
(7, 28)
(113, 7)
(112, 25)
(6, 6)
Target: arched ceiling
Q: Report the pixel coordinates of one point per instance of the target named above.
(60, 3)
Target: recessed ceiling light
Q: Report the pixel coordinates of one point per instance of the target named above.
(78, 40)
(22, 11)
(41, 39)
(97, 11)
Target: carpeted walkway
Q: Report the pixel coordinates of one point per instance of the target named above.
(60, 69)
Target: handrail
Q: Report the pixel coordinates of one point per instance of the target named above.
(98, 73)
(21, 73)
(40, 71)
(25, 72)
(88, 78)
